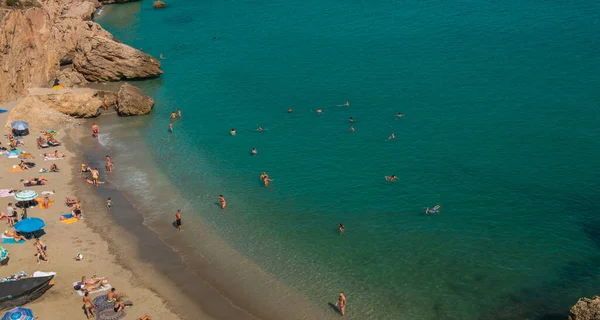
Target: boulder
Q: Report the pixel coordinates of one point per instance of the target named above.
(69, 78)
(79, 103)
(100, 59)
(132, 101)
(39, 116)
(159, 5)
(586, 309)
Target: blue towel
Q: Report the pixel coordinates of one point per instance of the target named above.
(70, 215)
(3, 111)
(11, 241)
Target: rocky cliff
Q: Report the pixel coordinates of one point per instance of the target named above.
(586, 309)
(35, 41)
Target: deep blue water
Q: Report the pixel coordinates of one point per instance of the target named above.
(501, 103)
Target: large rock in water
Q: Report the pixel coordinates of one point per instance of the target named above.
(132, 101)
(586, 309)
(80, 103)
(100, 59)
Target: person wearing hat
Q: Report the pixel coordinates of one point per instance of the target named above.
(85, 169)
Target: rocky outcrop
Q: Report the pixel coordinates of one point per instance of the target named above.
(79, 103)
(69, 31)
(159, 4)
(28, 57)
(132, 101)
(69, 78)
(586, 309)
(100, 59)
(38, 115)
(117, 1)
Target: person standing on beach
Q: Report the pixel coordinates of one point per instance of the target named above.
(95, 130)
(109, 164)
(341, 303)
(222, 201)
(88, 306)
(171, 127)
(95, 175)
(178, 219)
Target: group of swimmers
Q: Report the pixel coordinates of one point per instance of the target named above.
(172, 117)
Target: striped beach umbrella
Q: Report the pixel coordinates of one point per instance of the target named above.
(18, 314)
(19, 125)
(26, 195)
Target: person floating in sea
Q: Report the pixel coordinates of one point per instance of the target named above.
(341, 303)
(392, 136)
(351, 128)
(259, 129)
(233, 131)
(351, 120)
(173, 115)
(171, 127)
(179, 113)
(109, 164)
(108, 203)
(435, 209)
(341, 227)
(222, 201)
(346, 104)
(400, 115)
(161, 56)
(289, 110)
(254, 152)
(319, 111)
(264, 177)
(391, 178)
(178, 219)
(95, 130)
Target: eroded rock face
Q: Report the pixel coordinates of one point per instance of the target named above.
(69, 31)
(69, 78)
(100, 59)
(132, 101)
(80, 103)
(117, 1)
(27, 52)
(38, 115)
(586, 309)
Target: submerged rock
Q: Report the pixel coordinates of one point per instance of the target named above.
(132, 101)
(159, 5)
(100, 59)
(586, 309)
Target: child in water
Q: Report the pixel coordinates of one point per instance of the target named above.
(108, 203)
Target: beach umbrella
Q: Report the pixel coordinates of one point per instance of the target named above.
(18, 314)
(19, 125)
(29, 225)
(26, 195)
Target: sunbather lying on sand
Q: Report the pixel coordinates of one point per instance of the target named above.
(23, 165)
(15, 235)
(84, 280)
(35, 181)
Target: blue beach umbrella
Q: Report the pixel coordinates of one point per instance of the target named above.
(29, 225)
(26, 195)
(19, 125)
(18, 314)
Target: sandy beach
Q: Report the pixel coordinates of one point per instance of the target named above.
(65, 241)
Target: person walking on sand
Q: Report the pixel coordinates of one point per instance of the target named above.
(88, 306)
(222, 201)
(178, 219)
(95, 130)
(341, 303)
(171, 127)
(108, 203)
(95, 175)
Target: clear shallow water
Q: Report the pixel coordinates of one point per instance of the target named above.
(500, 103)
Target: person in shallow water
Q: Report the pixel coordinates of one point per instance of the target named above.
(400, 115)
(95, 130)
(170, 127)
(259, 129)
(393, 136)
(435, 209)
(319, 111)
(222, 201)
(254, 152)
(391, 178)
(264, 177)
(289, 110)
(233, 131)
(351, 128)
(350, 119)
(173, 115)
(341, 303)
(341, 227)
(178, 219)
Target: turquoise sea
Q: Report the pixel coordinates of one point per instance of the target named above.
(501, 102)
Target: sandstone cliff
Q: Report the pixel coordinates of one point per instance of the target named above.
(79, 103)
(586, 309)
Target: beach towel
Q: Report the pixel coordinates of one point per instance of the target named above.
(5, 193)
(10, 240)
(69, 221)
(68, 218)
(41, 203)
(51, 158)
(3, 110)
(106, 287)
(47, 192)
(110, 314)
(17, 169)
(44, 274)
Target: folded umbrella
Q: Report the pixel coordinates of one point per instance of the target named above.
(29, 225)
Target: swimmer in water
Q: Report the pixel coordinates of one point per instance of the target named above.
(346, 104)
(264, 177)
(350, 119)
(179, 113)
(259, 129)
(161, 56)
(400, 115)
(173, 115)
(392, 137)
(289, 110)
(341, 227)
(319, 111)
(391, 178)
(435, 209)
(351, 128)
(222, 201)
(233, 131)
(254, 152)
(170, 127)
